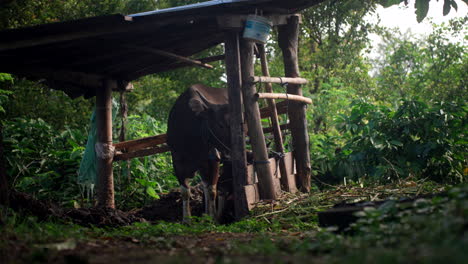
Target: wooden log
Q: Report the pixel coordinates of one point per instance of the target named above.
(172, 55)
(279, 80)
(104, 146)
(141, 153)
(291, 97)
(140, 143)
(288, 42)
(238, 155)
(252, 114)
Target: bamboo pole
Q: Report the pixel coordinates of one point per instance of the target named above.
(288, 42)
(252, 114)
(279, 80)
(238, 156)
(291, 97)
(104, 146)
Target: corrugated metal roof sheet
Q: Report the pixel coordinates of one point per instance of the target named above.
(75, 56)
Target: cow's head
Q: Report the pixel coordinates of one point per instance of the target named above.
(215, 121)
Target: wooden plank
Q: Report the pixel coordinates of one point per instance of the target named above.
(290, 175)
(141, 153)
(252, 114)
(279, 80)
(140, 143)
(291, 97)
(252, 196)
(281, 108)
(171, 55)
(288, 42)
(238, 154)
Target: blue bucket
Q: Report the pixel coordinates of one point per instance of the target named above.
(257, 28)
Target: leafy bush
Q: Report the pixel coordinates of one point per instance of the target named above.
(414, 140)
(42, 161)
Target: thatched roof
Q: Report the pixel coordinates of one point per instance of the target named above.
(75, 56)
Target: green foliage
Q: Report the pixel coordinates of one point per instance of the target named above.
(422, 6)
(41, 161)
(433, 68)
(413, 140)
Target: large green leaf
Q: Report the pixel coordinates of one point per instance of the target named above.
(388, 3)
(422, 7)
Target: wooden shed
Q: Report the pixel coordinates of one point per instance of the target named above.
(98, 55)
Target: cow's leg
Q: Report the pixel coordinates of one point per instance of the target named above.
(184, 172)
(210, 174)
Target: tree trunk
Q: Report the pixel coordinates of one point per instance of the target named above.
(288, 36)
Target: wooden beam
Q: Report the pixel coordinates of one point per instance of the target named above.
(291, 97)
(79, 79)
(238, 21)
(288, 38)
(140, 143)
(238, 155)
(252, 114)
(141, 153)
(279, 80)
(171, 55)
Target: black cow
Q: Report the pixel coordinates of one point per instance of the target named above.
(198, 136)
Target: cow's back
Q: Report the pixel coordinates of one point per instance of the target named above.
(184, 129)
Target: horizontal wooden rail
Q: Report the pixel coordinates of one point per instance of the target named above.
(280, 80)
(291, 97)
(140, 143)
(141, 153)
(281, 108)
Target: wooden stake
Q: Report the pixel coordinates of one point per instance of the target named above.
(104, 146)
(252, 113)
(238, 156)
(291, 97)
(288, 42)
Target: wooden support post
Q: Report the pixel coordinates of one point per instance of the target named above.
(288, 41)
(238, 156)
(104, 148)
(290, 187)
(252, 114)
